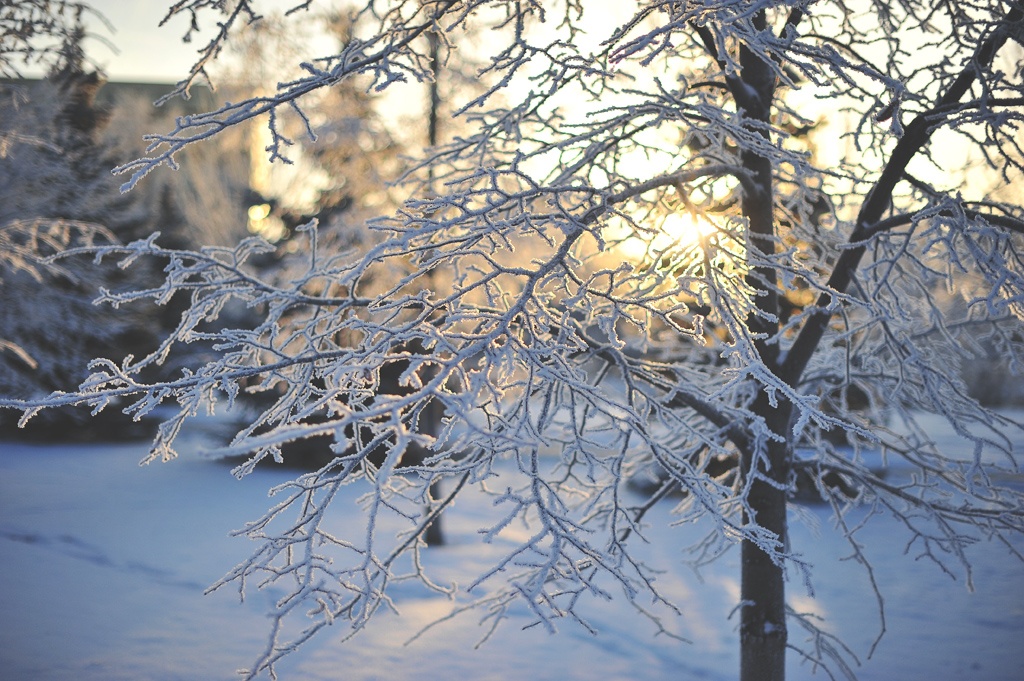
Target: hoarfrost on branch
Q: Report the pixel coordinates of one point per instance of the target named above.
(528, 294)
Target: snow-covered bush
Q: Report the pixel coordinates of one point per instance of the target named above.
(673, 234)
(56, 194)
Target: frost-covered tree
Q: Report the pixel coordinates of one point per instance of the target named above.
(59, 137)
(56, 193)
(36, 33)
(682, 241)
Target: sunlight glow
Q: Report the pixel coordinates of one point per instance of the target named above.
(259, 212)
(682, 229)
(264, 224)
(677, 232)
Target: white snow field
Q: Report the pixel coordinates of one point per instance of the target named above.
(103, 565)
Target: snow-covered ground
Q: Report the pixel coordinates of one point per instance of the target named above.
(103, 566)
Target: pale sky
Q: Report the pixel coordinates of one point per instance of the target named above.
(147, 52)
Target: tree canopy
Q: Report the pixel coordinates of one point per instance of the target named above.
(683, 242)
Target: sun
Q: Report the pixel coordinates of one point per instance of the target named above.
(677, 232)
(682, 229)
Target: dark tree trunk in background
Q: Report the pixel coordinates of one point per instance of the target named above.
(435, 410)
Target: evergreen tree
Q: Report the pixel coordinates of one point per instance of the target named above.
(57, 195)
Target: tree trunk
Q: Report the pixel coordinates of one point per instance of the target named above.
(433, 536)
(763, 635)
(762, 589)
